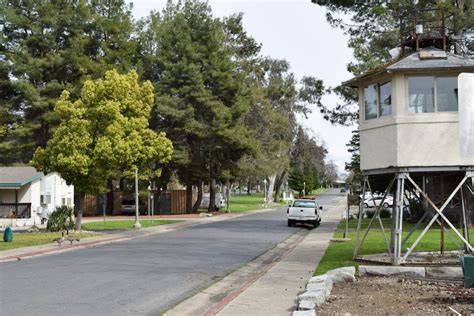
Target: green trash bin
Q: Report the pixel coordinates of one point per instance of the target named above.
(8, 235)
(467, 263)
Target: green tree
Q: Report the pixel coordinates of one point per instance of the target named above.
(103, 134)
(47, 47)
(353, 166)
(307, 164)
(275, 103)
(200, 94)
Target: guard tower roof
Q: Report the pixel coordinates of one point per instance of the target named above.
(422, 61)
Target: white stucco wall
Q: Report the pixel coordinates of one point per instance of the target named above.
(52, 184)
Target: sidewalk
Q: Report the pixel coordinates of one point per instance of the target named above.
(122, 235)
(275, 293)
(269, 284)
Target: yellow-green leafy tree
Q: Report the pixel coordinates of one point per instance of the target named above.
(104, 134)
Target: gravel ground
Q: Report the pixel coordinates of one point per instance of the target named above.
(398, 296)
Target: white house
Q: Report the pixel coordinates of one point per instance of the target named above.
(27, 196)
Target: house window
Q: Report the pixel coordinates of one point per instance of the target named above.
(432, 94)
(63, 201)
(378, 100)
(45, 199)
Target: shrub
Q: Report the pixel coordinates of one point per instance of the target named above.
(61, 219)
(416, 210)
(370, 214)
(385, 213)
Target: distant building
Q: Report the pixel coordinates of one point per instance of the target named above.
(27, 196)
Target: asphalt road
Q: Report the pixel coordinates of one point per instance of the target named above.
(144, 276)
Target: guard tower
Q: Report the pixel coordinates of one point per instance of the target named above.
(416, 118)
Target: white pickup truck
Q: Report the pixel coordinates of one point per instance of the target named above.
(304, 211)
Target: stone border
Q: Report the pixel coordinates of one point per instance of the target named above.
(319, 288)
(442, 272)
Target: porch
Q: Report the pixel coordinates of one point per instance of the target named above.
(15, 210)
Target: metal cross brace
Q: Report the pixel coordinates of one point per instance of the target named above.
(414, 228)
(439, 213)
(377, 212)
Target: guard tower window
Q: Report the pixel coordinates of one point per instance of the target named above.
(378, 100)
(432, 94)
(420, 94)
(370, 100)
(447, 93)
(385, 98)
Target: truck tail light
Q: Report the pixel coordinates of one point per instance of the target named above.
(315, 211)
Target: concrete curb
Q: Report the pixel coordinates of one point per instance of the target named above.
(449, 273)
(392, 270)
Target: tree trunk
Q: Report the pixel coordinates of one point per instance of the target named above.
(199, 198)
(271, 186)
(212, 195)
(189, 198)
(82, 198)
(278, 185)
(248, 188)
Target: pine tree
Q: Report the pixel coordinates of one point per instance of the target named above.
(45, 53)
(201, 95)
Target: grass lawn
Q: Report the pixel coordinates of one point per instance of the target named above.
(33, 239)
(339, 254)
(245, 203)
(126, 224)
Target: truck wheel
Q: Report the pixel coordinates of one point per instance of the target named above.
(290, 223)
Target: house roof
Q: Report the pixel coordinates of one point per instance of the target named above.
(16, 177)
(423, 60)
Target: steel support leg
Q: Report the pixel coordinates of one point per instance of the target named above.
(398, 220)
(359, 222)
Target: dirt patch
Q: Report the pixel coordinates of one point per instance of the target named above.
(398, 296)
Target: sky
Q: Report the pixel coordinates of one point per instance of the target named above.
(295, 30)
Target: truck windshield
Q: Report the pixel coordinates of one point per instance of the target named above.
(308, 204)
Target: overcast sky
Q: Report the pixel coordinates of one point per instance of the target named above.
(295, 30)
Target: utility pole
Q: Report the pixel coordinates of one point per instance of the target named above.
(137, 210)
(265, 192)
